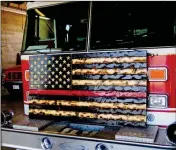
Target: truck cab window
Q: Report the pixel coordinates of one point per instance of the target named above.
(132, 24)
(62, 27)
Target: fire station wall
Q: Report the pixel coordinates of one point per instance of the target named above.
(12, 27)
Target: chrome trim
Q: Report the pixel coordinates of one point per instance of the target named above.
(90, 139)
(156, 95)
(13, 81)
(18, 147)
(89, 27)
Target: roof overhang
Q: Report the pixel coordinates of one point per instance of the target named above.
(38, 4)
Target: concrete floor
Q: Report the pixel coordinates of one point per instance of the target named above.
(15, 103)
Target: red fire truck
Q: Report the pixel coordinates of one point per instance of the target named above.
(88, 32)
(12, 80)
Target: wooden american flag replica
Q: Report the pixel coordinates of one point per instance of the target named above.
(101, 87)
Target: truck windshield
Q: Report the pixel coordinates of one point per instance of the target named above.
(133, 24)
(62, 27)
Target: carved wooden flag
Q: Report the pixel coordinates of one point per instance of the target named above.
(103, 87)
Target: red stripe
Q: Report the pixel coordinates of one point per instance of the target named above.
(162, 126)
(89, 93)
(168, 111)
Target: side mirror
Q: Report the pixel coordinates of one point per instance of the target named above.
(18, 59)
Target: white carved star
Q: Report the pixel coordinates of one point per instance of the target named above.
(45, 79)
(68, 72)
(60, 79)
(68, 79)
(53, 72)
(45, 85)
(68, 86)
(56, 82)
(56, 69)
(49, 76)
(56, 76)
(49, 61)
(64, 69)
(49, 82)
(38, 58)
(68, 57)
(42, 62)
(45, 58)
(45, 66)
(31, 65)
(52, 79)
(60, 65)
(64, 61)
(60, 58)
(53, 85)
(49, 69)
(41, 69)
(53, 65)
(38, 66)
(35, 62)
(64, 82)
(56, 61)
(60, 72)
(52, 58)
(60, 86)
(45, 72)
(68, 65)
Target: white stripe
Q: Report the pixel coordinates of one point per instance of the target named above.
(161, 118)
(26, 109)
(165, 109)
(27, 95)
(161, 51)
(24, 57)
(46, 51)
(154, 51)
(151, 50)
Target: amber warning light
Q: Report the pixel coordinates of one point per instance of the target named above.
(27, 75)
(157, 74)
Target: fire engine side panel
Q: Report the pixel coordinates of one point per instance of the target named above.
(25, 66)
(161, 58)
(164, 87)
